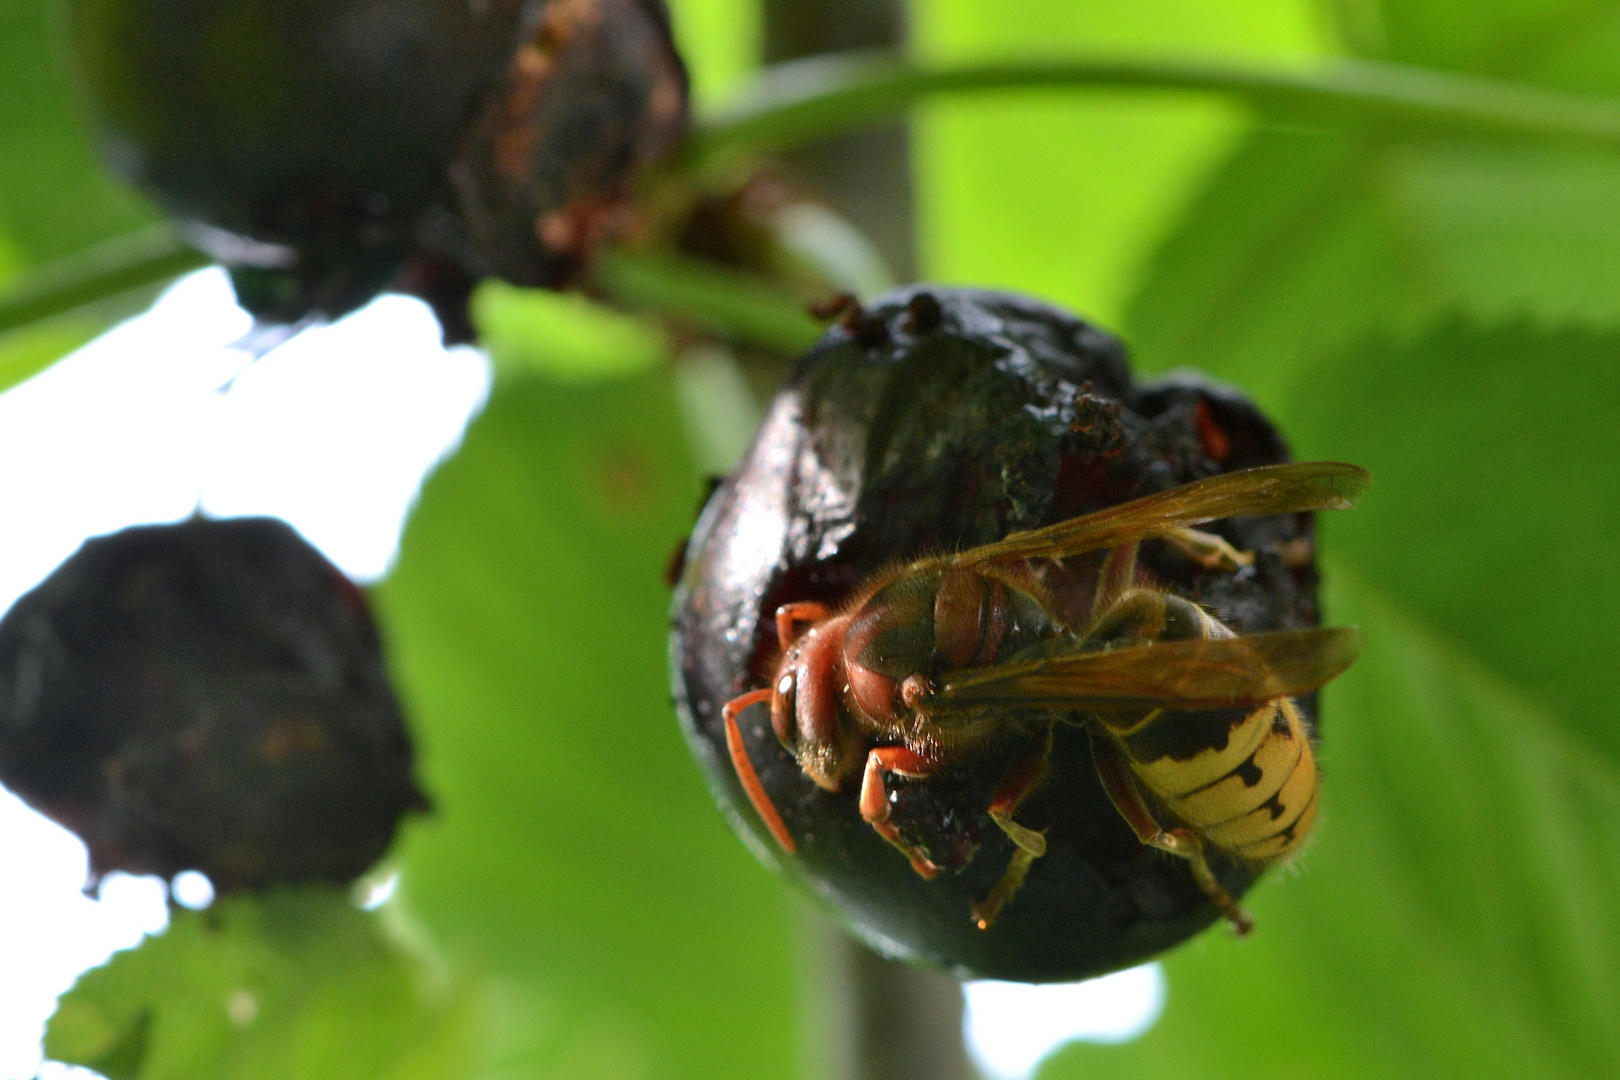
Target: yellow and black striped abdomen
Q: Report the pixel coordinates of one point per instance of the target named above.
(1245, 779)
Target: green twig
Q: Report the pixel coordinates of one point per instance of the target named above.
(792, 103)
(739, 306)
(118, 266)
(796, 102)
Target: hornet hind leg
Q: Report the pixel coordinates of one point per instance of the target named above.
(1024, 776)
(1127, 799)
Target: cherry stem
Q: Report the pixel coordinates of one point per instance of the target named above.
(121, 265)
(707, 296)
(799, 101)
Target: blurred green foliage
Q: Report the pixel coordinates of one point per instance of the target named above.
(1100, 179)
(55, 197)
(298, 983)
(1444, 312)
(575, 844)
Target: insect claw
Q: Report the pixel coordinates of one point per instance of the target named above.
(986, 910)
(1176, 843)
(1189, 847)
(926, 868)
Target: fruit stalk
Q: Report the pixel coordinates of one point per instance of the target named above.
(797, 102)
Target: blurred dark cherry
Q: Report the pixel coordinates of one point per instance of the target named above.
(206, 696)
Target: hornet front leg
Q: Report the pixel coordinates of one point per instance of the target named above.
(874, 802)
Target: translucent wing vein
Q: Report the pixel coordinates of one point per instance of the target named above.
(1272, 489)
(1196, 673)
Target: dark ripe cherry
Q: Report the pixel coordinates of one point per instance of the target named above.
(300, 140)
(211, 696)
(308, 144)
(594, 93)
(939, 419)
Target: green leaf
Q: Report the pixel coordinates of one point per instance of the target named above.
(1512, 231)
(563, 335)
(103, 277)
(1098, 181)
(719, 40)
(1493, 510)
(1563, 43)
(1306, 244)
(296, 983)
(25, 353)
(53, 309)
(1290, 253)
(55, 197)
(575, 848)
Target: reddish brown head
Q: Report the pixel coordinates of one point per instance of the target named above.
(805, 702)
(847, 681)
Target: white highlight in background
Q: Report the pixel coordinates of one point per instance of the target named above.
(50, 931)
(191, 889)
(1012, 1027)
(332, 432)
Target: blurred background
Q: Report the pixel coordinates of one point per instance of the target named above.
(1441, 306)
